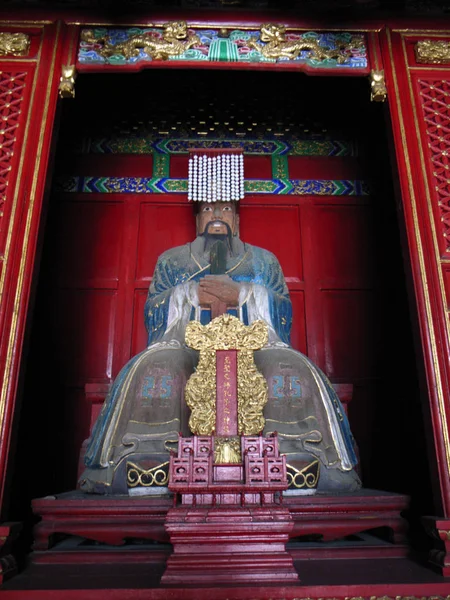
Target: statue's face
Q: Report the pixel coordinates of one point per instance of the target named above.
(214, 215)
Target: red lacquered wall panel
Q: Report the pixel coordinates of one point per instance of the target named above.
(89, 242)
(340, 245)
(161, 226)
(298, 335)
(84, 331)
(139, 334)
(275, 228)
(350, 334)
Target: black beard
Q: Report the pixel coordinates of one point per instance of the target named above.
(210, 238)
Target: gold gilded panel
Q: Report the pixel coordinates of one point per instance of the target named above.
(14, 44)
(226, 333)
(433, 52)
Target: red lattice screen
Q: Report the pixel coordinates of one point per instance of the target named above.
(435, 99)
(12, 86)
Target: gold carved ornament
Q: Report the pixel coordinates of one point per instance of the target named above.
(138, 476)
(435, 52)
(14, 44)
(66, 86)
(226, 333)
(176, 39)
(378, 90)
(306, 478)
(276, 45)
(227, 450)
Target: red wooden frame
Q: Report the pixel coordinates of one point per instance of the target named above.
(391, 49)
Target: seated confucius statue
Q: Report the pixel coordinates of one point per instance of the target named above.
(128, 451)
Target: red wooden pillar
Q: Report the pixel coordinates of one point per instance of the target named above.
(419, 102)
(28, 95)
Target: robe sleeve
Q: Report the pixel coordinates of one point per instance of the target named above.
(267, 297)
(168, 277)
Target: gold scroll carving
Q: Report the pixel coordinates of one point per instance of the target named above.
(156, 476)
(226, 333)
(14, 44)
(176, 39)
(436, 52)
(276, 45)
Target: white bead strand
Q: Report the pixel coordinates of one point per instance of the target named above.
(241, 177)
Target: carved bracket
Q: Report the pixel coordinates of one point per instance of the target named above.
(378, 91)
(67, 82)
(14, 44)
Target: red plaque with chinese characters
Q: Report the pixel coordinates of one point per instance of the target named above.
(226, 385)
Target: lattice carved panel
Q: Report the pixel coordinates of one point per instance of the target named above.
(435, 97)
(12, 86)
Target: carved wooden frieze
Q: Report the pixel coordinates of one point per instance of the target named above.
(178, 41)
(435, 52)
(14, 44)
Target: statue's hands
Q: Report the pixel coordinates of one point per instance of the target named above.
(221, 287)
(205, 299)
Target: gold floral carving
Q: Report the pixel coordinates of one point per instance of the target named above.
(227, 450)
(66, 86)
(276, 45)
(378, 90)
(226, 333)
(436, 52)
(14, 44)
(176, 39)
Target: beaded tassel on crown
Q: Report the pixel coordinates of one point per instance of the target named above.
(216, 175)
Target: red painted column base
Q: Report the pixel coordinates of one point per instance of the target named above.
(439, 530)
(8, 565)
(229, 544)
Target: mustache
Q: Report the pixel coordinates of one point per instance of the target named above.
(209, 225)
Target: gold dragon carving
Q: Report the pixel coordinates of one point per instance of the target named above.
(176, 39)
(14, 44)
(433, 52)
(276, 45)
(226, 333)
